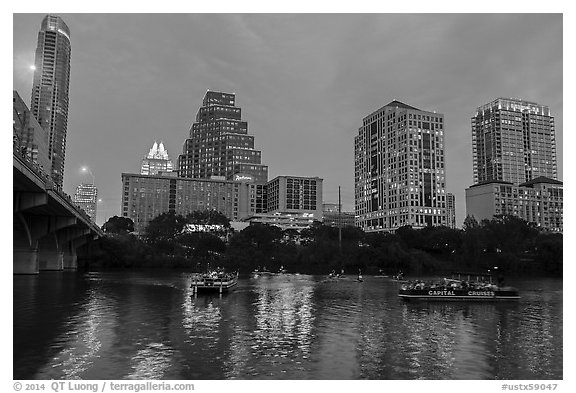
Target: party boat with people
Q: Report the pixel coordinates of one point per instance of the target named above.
(214, 281)
(460, 286)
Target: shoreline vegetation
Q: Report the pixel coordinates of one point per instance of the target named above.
(513, 245)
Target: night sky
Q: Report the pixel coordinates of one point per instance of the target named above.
(304, 83)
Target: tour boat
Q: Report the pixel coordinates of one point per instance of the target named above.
(214, 282)
(462, 286)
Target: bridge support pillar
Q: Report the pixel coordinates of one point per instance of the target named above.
(25, 261)
(70, 259)
(51, 260)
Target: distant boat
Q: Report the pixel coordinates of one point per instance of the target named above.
(381, 274)
(214, 281)
(264, 272)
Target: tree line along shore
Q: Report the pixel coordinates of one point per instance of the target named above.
(512, 244)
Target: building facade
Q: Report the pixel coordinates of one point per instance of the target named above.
(50, 90)
(332, 215)
(219, 144)
(30, 139)
(156, 161)
(86, 197)
(450, 210)
(539, 201)
(513, 141)
(295, 195)
(399, 169)
(145, 197)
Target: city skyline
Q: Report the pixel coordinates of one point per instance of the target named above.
(304, 82)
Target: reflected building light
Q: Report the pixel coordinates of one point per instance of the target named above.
(88, 334)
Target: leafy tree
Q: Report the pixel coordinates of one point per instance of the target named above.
(508, 234)
(165, 227)
(118, 225)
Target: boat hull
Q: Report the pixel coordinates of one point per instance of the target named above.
(459, 294)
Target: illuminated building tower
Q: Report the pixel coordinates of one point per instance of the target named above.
(219, 144)
(399, 171)
(86, 197)
(50, 89)
(513, 141)
(156, 161)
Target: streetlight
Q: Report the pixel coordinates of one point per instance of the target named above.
(85, 169)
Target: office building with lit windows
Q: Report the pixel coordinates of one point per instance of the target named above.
(86, 197)
(156, 161)
(145, 197)
(539, 201)
(399, 169)
(219, 144)
(50, 90)
(514, 164)
(513, 141)
(292, 202)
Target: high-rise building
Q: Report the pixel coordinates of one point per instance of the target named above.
(86, 197)
(219, 144)
(156, 161)
(513, 141)
(514, 163)
(450, 210)
(50, 89)
(30, 139)
(399, 174)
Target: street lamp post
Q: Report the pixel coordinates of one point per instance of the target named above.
(85, 169)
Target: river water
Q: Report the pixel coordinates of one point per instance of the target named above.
(149, 325)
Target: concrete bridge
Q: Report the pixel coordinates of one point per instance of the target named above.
(49, 230)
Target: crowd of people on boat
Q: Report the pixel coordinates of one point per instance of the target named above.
(215, 274)
(449, 284)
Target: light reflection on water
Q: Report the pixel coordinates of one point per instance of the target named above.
(151, 326)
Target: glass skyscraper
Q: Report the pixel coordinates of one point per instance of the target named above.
(399, 172)
(50, 89)
(513, 141)
(219, 144)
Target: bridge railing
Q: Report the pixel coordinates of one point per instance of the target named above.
(20, 152)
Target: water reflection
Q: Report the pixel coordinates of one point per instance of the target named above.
(84, 336)
(151, 326)
(275, 335)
